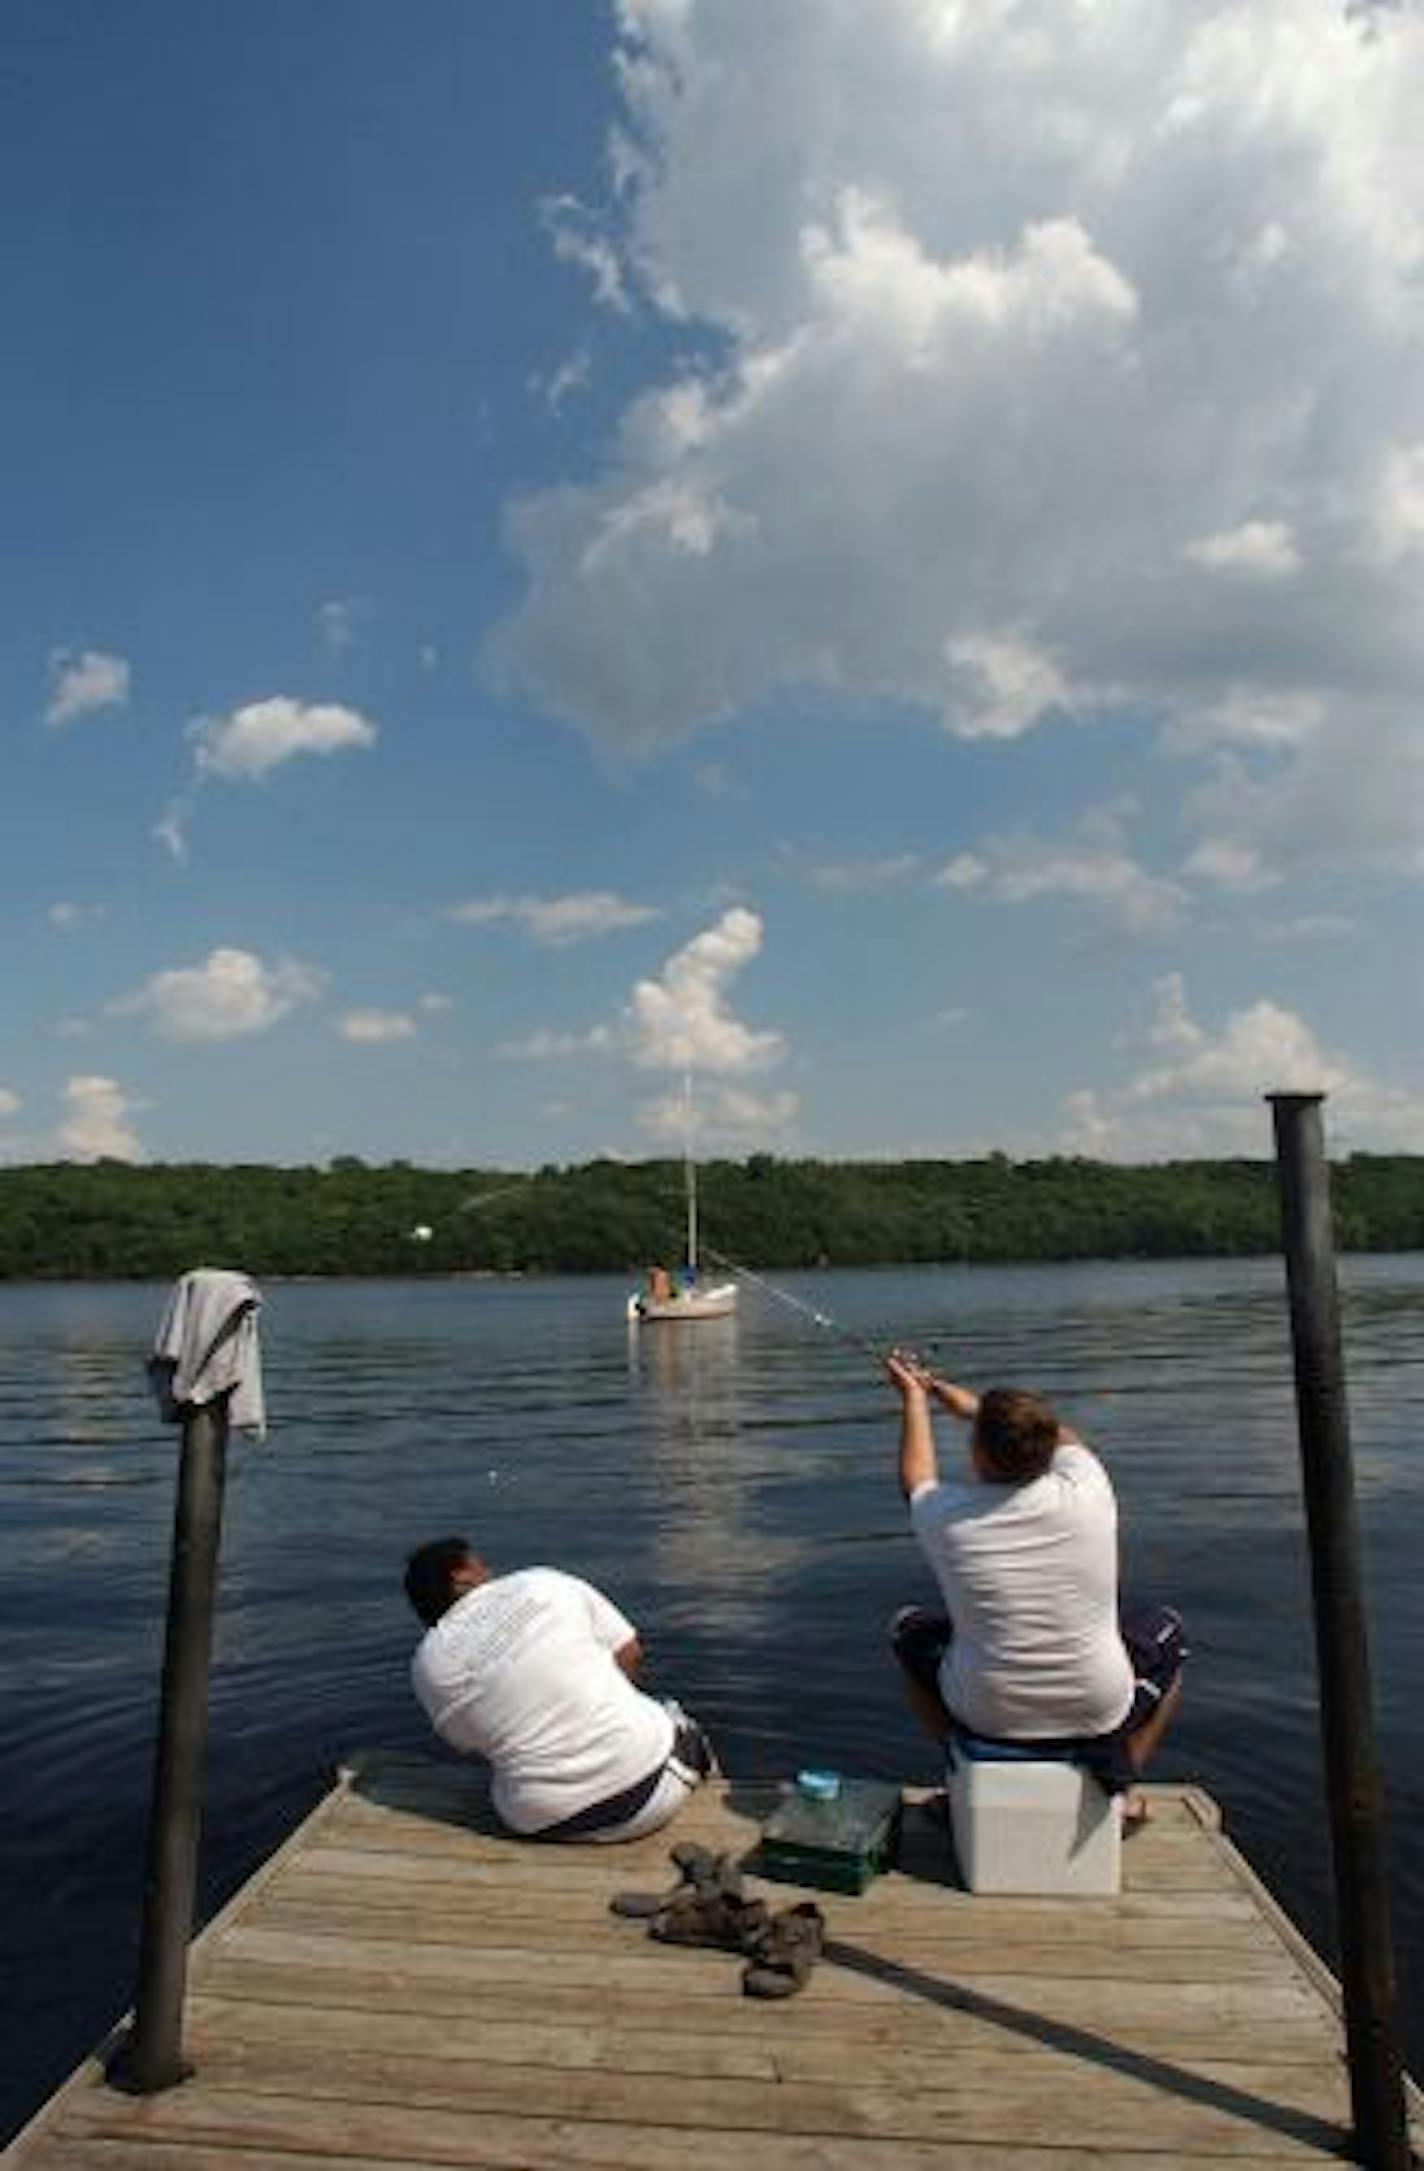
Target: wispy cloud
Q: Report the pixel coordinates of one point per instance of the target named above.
(582, 916)
(580, 237)
(83, 681)
(558, 386)
(1259, 549)
(370, 1027)
(69, 917)
(851, 877)
(337, 620)
(1095, 871)
(547, 1046)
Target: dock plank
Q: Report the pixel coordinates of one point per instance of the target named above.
(405, 1985)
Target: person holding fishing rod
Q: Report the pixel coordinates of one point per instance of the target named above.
(1033, 1647)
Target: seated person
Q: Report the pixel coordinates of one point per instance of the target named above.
(534, 1672)
(1032, 1647)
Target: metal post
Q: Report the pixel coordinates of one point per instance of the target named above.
(153, 2058)
(1352, 1782)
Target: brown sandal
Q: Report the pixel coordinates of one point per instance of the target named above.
(793, 1942)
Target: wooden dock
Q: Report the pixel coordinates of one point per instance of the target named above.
(401, 1986)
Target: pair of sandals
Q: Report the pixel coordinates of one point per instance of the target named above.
(708, 1906)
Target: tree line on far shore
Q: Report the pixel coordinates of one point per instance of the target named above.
(112, 1220)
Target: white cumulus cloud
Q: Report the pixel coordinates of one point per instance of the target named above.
(83, 681)
(680, 1020)
(230, 995)
(97, 1123)
(1198, 1091)
(1012, 424)
(726, 1119)
(251, 741)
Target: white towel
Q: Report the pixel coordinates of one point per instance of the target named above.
(207, 1347)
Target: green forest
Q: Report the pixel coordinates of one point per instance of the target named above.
(116, 1221)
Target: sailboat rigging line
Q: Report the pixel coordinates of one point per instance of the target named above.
(820, 1319)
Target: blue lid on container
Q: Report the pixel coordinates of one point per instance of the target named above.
(821, 1786)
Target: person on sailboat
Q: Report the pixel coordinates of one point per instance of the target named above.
(1032, 1646)
(535, 1671)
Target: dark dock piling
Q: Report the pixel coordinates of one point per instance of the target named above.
(1342, 1655)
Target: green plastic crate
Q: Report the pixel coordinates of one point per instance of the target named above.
(835, 1846)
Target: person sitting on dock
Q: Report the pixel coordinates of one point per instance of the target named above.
(534, 1671)
(1033, 1647)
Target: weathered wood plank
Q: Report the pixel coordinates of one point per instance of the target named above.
(1205, 2118)
(517, 2144)
(544, 1871)
(708, 2044)
(1238, 1959)
(645, 1967)
(931, 2029)
(1178, 1865)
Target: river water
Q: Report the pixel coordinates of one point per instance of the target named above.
(732, 1486)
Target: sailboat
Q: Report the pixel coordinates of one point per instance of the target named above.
(683, 1296)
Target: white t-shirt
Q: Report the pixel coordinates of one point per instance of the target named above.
(521, 1671)
(1029, 1577)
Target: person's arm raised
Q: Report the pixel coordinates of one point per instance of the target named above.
(960, 1401)
(918, 1465)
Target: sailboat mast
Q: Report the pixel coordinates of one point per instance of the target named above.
(689, 1174)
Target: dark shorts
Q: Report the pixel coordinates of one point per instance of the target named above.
(692, 1756)
(1156, 1645)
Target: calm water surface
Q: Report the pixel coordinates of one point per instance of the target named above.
(731, 1486)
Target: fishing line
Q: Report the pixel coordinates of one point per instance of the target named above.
(487, 1198)
(820, 1319)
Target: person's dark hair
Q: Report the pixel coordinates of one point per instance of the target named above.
(1016, 1434)
(428, 1575)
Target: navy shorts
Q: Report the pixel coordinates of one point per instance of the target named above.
(692, 1757)
(1156, 1645)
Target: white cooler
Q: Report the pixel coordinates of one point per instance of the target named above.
(1029, 1824)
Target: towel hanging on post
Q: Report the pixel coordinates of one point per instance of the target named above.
(207, 1347)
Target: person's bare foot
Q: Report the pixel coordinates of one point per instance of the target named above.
(1136, 1811)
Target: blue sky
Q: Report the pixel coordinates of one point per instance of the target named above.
(548, 546)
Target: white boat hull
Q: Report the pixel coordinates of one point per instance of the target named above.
(689, 1304)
